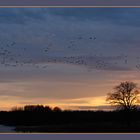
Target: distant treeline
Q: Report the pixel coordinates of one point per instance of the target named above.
(37, 108)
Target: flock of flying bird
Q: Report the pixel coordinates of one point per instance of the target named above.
(8, 57)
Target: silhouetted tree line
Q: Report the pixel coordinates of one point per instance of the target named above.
(37, 108)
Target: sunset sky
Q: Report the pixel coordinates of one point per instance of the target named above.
(67, 57)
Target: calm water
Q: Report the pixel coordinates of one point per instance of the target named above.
(7, 129)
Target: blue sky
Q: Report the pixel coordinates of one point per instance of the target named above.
(66, 56)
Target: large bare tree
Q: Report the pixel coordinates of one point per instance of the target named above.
(125, 96)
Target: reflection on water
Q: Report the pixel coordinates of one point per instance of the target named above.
(7, 129)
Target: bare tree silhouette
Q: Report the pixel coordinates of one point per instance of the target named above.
(125, 96)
